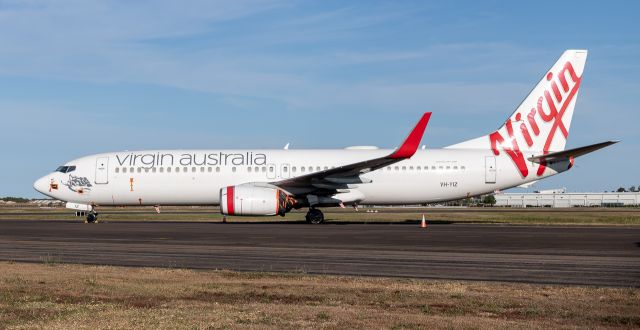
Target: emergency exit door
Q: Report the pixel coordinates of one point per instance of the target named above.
(102, 170)
(285, 171)
(490, 169)
(271, 171)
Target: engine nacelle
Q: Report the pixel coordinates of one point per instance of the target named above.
(255, 199)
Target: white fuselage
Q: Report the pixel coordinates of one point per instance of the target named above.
(195, 177)
(528, 146)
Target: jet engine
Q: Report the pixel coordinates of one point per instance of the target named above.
(255, 199)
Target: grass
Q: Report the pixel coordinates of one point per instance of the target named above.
(63, 296)
(538, 216)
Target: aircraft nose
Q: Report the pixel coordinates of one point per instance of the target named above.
(42, 185)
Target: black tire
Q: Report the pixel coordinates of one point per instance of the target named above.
(92, 217)
(315, 216)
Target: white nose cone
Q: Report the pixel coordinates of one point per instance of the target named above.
(42, 185)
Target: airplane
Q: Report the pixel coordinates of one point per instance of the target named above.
(527, 147)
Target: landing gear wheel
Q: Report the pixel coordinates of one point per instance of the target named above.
(92, 217)
(315, 216)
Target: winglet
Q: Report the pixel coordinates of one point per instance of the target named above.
(412, 142)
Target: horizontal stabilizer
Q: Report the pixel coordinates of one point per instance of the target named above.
(528, 184)
(571, 153)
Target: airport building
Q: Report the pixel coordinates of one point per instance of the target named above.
(561, 198)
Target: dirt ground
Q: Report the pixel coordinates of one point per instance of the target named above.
(63, 296)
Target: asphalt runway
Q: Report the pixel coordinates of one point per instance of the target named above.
(593, 255)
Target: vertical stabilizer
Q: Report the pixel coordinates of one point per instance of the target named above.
(541, 122)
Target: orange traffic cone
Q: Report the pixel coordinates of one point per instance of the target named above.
(424, 222)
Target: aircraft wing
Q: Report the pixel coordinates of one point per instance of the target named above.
(341, 177)
(571, 153)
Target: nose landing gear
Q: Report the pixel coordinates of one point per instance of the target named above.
(314, 216)
(92, 217)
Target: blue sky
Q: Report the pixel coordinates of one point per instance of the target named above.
(82, 77)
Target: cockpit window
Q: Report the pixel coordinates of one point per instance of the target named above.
(65, 169)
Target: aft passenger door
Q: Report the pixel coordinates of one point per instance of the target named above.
(490, 169)
(102, 170)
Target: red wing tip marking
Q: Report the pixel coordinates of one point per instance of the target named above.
(412, 142)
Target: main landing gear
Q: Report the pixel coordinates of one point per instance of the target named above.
(314, 216)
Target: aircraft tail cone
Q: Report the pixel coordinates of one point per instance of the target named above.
(424, 222)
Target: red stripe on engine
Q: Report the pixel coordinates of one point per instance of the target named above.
(230, 199)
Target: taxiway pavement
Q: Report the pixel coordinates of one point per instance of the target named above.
(589, 255)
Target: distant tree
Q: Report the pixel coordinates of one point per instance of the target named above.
(632, 189)
(15, 199)
(621, 190)
(489, 200)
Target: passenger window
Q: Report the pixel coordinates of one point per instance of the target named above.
(177, 170)
(249, 169)
(462, 168)
(411, 168)
(256, 169)
(418, 168)
(455, 167)
(396, 168)
(448, 167)
(264, 169)
(161, 169)
(440, 167)
(217, 169)
(124, 170)
(285, 169)
(233, 169)
(317, 168)
(310, 168)
(270, 168)
(388, 168)
(146, 170)
(117, 170)
(326, 168)
(293, 169)
(404, 168)
(302, 168)
(209, 169)
(168, 169)
(433, 167)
